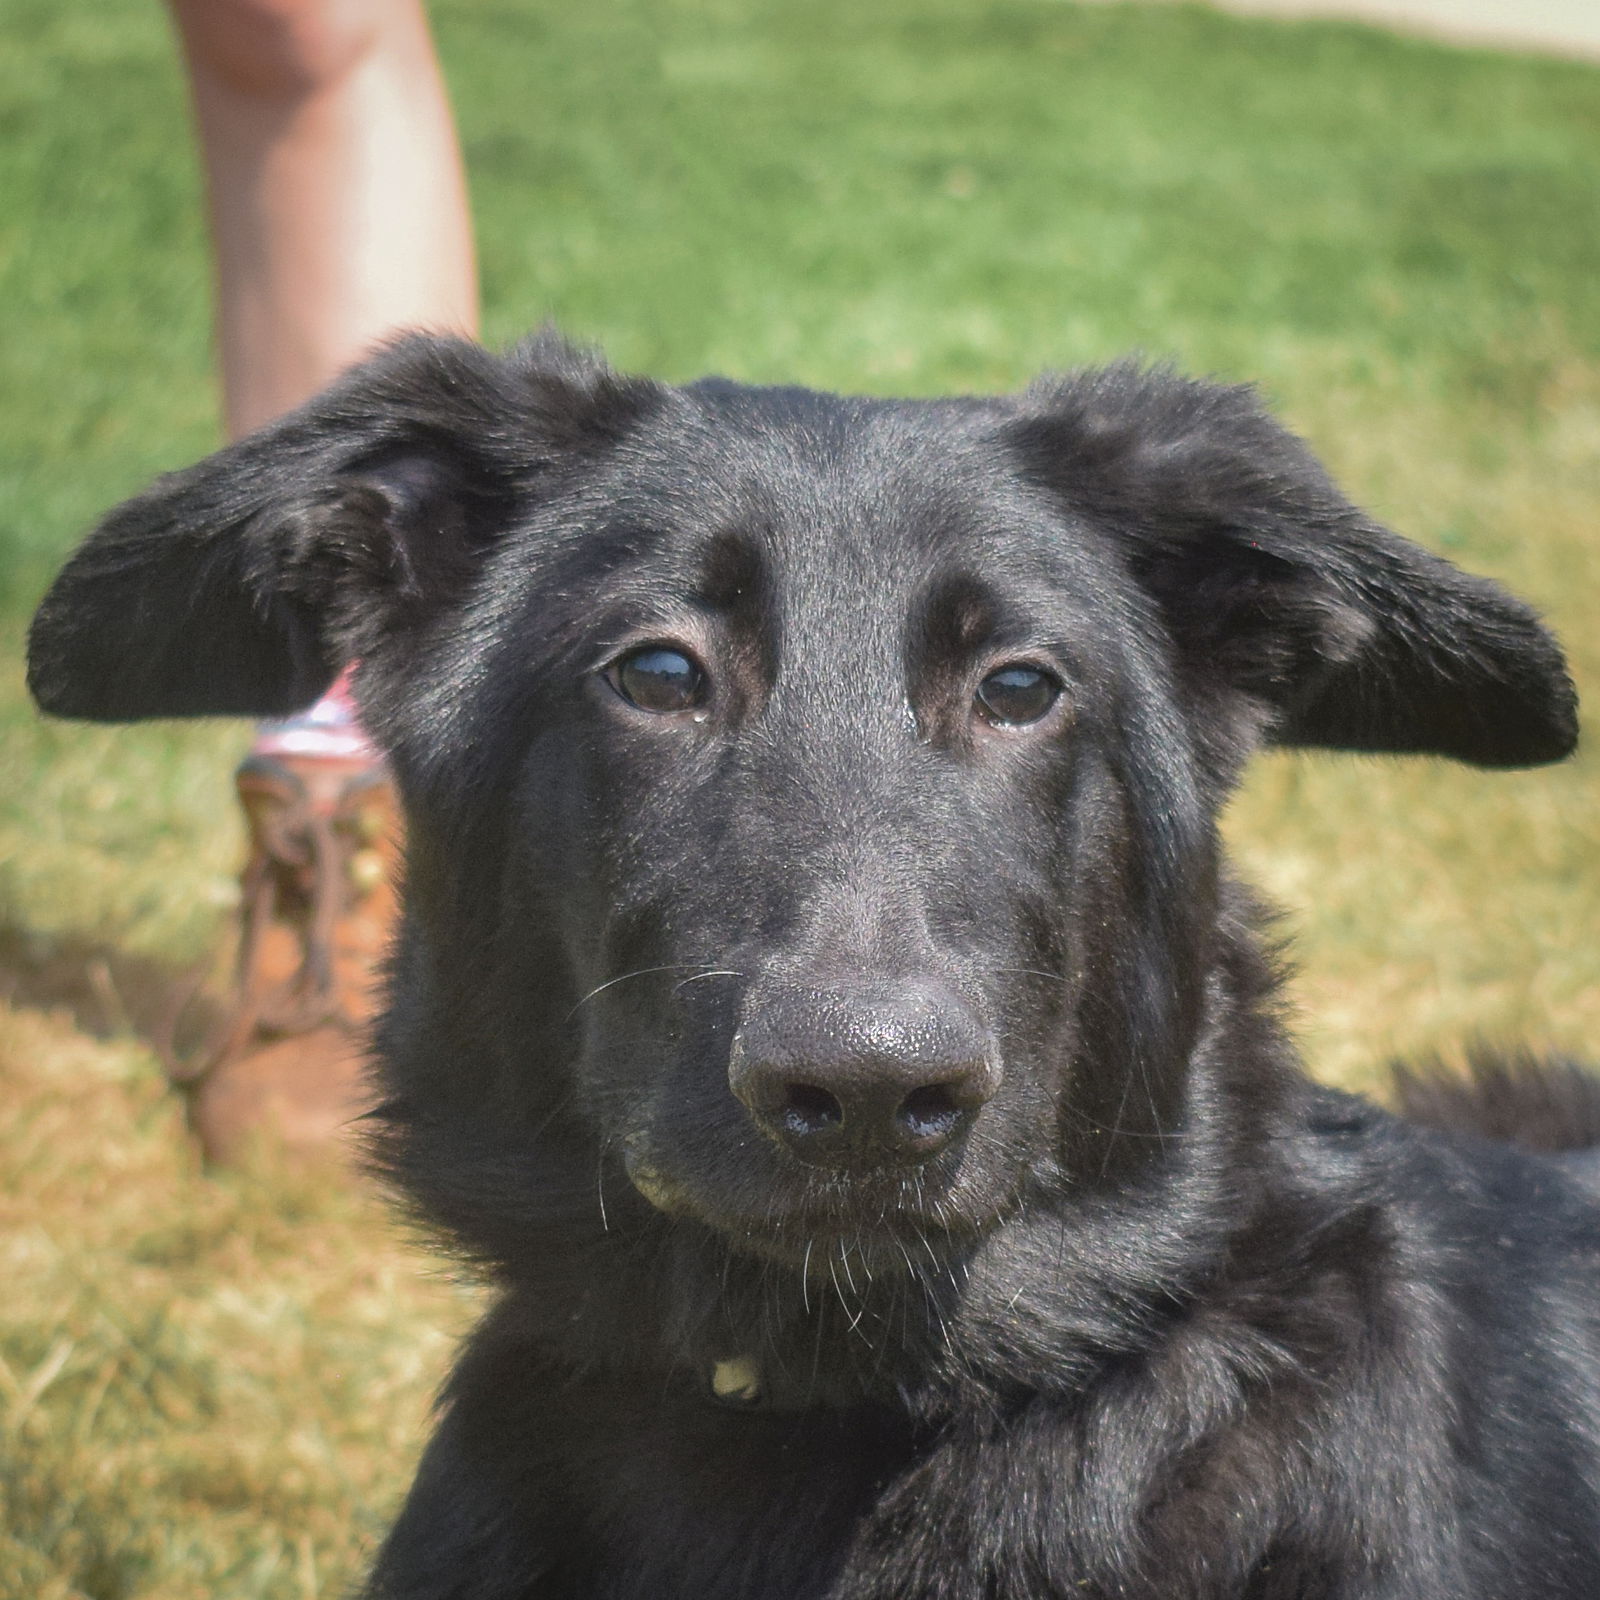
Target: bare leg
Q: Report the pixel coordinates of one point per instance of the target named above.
(339, 214)
(338, 206)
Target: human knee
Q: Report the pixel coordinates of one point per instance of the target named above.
(283, 48)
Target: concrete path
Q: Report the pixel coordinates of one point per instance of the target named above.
(1558, 27)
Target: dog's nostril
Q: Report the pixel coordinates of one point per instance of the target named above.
(808, 1109)
(930, 1112)
(862, 1078)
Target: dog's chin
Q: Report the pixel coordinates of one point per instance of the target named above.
(886, 1222)
(897, 1244)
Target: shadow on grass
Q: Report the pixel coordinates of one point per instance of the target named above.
(109, 993)
(252, 1093)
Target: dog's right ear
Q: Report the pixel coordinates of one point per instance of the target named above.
(242, 585)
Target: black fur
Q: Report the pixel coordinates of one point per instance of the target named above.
(1162, 1319)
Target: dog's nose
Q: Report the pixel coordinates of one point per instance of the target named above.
(863, 1078)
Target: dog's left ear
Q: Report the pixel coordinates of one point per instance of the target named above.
(242, 585)
(1274, 588)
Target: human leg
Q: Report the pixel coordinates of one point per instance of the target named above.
(338, 204)
(339, 214)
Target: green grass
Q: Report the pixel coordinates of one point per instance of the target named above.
(216, 1388)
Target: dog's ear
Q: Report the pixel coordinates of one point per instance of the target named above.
(1322, 626)
(242, 585)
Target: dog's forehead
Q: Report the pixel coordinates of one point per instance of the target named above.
(850, 508)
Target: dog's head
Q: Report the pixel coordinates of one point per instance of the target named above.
(811, 800)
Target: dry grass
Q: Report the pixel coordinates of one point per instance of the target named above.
(208, 1386)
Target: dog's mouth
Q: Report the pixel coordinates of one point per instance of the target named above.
(823, 1247)
(887, 1221)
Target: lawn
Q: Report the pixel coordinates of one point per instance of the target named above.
(216, 1387)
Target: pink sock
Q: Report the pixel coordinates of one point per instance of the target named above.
(331, 728)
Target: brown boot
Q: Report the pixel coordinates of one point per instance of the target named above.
(282, 1064)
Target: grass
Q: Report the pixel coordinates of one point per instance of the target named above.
(209, 1387)
(216, 1387)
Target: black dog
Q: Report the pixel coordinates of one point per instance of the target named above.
(822, 1004)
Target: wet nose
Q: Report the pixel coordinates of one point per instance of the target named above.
(876, 1076)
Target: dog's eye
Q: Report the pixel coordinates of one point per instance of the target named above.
(1016, 695)
(659, 679)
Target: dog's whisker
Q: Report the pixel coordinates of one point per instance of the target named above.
(600, 1186)
(623, 977)
(844, 1261)
(717, 972)
(1083, 1120)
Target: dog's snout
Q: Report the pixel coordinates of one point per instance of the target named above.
(866, 1077)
